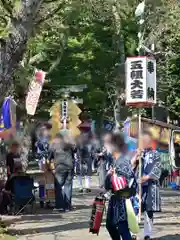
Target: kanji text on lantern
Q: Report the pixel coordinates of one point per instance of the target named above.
(136, 79)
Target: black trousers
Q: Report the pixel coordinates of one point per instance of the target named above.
(118, 231)
(164, 174)
(63, 189)
(150, 214)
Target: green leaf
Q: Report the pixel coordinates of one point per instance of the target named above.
(4, 33)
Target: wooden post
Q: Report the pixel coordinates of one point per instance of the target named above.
(140, 164)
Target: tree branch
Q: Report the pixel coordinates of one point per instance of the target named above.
(36, 58)
(57, 61)
(52, 13)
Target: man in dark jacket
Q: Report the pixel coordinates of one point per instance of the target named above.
(64, 170)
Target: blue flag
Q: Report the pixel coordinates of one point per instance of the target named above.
(8, 115)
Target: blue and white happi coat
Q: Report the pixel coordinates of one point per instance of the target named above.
(117, 209)
(42, 148)
(151, 166)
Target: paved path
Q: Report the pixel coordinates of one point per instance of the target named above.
(52, 226)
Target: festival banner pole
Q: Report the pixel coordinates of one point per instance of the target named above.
(140, 165)
(139, 13)
(140, 93)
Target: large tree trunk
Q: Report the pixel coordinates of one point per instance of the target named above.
(13, 47)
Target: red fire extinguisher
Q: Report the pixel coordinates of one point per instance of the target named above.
(97, 214)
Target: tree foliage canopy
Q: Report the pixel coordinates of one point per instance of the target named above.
(86, 42)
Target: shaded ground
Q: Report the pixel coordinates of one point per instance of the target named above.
(48, 225)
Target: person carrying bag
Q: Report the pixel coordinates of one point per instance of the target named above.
(121, 182)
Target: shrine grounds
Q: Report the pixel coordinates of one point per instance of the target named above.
(49, 225)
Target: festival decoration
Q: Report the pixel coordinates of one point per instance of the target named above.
(140, 87)
(64, 118)
(74, 120)
(8, 118)
(64, 113)
(39, 75)
(34, 92)
(55, 119)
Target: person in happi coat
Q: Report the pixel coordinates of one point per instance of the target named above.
(84, 166)
(151, 172)
(117, 222)
(42, 147)
(104, 160)
(95, 147)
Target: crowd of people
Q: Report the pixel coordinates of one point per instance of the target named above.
(108, 156)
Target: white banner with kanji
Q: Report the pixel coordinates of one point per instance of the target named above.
(34, 92)
(140, 81)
